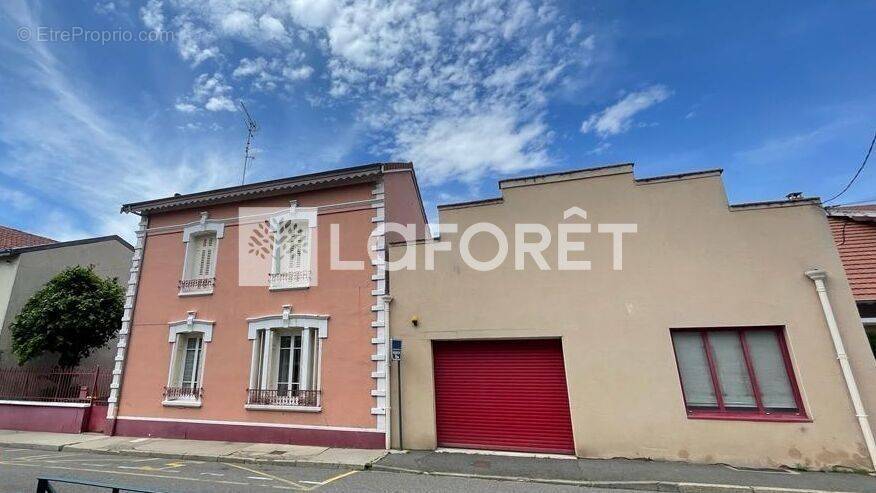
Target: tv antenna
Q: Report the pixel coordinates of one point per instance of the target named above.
(251, 128)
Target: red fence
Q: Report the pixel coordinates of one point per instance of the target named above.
(55, 384)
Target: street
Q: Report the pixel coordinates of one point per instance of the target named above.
(20, 468)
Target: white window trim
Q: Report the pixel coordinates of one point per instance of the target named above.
(306, 323)
(203, 225)
(193, 230)
(294, 214)
(190, 325)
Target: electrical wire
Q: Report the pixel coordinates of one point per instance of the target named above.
(860, 169)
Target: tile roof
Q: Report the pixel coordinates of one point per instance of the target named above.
(13, 238)
(856, 242)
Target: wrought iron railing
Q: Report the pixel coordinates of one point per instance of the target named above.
(291, 279)
(290, 398)
(201, 285)
(183, 394)
(55, 384)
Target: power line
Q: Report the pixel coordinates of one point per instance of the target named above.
(856, 174)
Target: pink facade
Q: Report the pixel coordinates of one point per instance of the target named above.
(287, 364)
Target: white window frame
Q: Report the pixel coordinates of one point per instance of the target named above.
(306, 216)
(265, 333)
(192, 233)
(178, 335)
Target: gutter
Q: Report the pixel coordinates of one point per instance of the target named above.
(819, 276)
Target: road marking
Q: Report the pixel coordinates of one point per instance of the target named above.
(293, 483)
(212, 474)
(169, 467)
(106, 471)
(339, 476)
(96, 459)
(94, 465)
(260, 478)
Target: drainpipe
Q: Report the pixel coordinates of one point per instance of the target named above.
(818, 276)
(387, 366)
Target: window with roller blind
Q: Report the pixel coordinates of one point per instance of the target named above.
(737, 373)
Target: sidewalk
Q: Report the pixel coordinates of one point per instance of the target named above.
(262, 453)
(625, 474)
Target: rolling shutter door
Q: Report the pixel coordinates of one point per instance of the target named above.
(502, 395)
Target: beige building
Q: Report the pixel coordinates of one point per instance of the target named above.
(26, 268)
(699, 337)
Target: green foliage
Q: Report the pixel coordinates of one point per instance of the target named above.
(73, 314)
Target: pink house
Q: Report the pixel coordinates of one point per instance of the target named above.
(259, 312)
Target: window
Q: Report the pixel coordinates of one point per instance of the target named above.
(738, 373)
(186, 372)
(200, 265)
(284, 372)
(291, 262)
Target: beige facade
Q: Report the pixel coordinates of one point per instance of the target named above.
(694, 262)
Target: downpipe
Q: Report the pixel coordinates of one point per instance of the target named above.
(819, 277)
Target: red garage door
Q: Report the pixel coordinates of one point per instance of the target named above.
(502, 395)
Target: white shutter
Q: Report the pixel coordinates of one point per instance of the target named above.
(297, 247)
(204, 256)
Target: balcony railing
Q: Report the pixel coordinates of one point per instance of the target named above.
(182, 394)
(283, 398)
(197, 286)
(289, 280)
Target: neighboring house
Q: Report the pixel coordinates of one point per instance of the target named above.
(28, 262)
(707, 335)
(236, 326)
(854, 232)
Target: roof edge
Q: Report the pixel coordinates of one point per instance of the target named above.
(227, 194)
(471, 203)
(681, 176)
(776, 203)
(575, 174)
(61, 244)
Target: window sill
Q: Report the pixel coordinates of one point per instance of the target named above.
(287, 288)
(181, 403)
(739, 416)
(296, 409)
(196, 293)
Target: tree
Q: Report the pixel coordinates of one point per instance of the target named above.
(72, 315)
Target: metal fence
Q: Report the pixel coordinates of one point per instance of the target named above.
(55, 384)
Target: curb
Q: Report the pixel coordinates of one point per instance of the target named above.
(661, 486)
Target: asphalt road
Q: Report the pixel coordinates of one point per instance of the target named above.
(20, 468)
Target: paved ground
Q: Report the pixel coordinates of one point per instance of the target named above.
(19, 469)
(239, 452)
(623, 470)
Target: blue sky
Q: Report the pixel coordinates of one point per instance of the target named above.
(778, 94)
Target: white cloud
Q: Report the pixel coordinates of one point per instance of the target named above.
(186, 107)
(298, 73)
(618, 117)
(210, 92)
(240, 23)
(152, 16)
(467, 148)
(416, 71)
(16, 198)
(271, 27)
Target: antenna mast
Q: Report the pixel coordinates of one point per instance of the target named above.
(251, 128)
